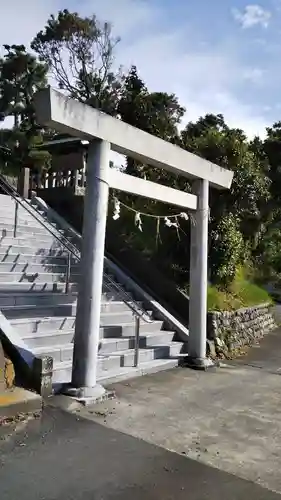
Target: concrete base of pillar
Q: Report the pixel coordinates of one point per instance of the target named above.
(88, 395)
(202, 364)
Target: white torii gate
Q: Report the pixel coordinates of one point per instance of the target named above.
(104, 132)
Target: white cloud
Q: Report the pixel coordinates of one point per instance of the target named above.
(254, 75)
(124, 15)
(252, 15)
(203, 80)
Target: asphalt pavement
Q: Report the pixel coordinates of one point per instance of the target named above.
(65, 457)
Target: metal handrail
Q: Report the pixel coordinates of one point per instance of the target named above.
(138, 312)
(11, 191)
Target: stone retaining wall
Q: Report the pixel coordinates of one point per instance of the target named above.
(231, 331)
(7, 372)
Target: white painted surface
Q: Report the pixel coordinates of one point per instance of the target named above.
(86, 340)
(14, 338)
(148, 189)
(199, 274)
(67, 115)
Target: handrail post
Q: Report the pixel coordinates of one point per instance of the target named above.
(68, 269)
(137, 340)
(16, 218)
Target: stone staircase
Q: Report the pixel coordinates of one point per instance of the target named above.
(34, 299)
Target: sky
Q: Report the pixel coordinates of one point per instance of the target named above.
(217, 56)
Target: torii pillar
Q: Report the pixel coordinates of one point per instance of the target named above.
(86, 341)
(199, 278)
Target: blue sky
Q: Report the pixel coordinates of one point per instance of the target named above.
(220, 56)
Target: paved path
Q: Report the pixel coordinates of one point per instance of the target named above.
(224, 425)
(265, 356)
(229, 418)
(62, 458)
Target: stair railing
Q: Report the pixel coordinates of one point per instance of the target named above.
(110, 284)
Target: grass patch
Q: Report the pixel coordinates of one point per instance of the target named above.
(241, 293)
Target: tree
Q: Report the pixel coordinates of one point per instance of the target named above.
(157, 113)
(79, 52)
(237, 215)
(229, 148)
(271, 150)
(21, 75)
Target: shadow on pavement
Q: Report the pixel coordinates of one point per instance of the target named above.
(63, 457)
(265, 355)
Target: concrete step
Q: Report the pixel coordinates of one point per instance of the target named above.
(39, 311)
(27, 249)
(116, 306)
(19, 258)
(111, 345)
(157, 338)
(9, 205)
(28, 327)
(26, 240)
(9, 212)
(32, 268)
(26, 223)
(29, 227)
(123, 317)
(22, 229)
(110, 302)
(48, 286)
(120, 358)
(111, 325)
(127, 358)
(53, 339)
(65, 336)
(59, 353)
(62, 372)
(35, 246)
(34, 277)
(6, 201)
(124, 373)
(25, 219)
(128, 329)
(39, 299)
(48, 282)
(109, 310)
(64, 352)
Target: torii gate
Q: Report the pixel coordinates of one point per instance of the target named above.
(104, 132)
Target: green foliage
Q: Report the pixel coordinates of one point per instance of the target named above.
(244, 221)
(79, 53)
(20, 76)
(268, 254)
(238, 215)
(212, 139)
(241, 293)
(157, 113)
(227, 250)
(21, 150)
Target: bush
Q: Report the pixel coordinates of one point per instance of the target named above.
(227, 250)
